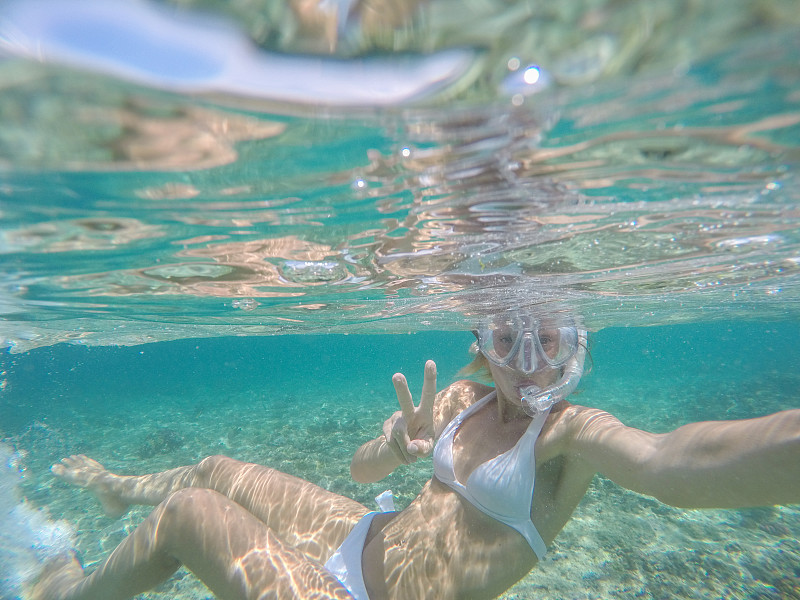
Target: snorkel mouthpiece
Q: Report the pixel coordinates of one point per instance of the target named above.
(536, 400)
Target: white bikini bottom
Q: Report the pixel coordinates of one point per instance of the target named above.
(345, 564)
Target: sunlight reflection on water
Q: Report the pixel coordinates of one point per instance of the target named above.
(649, 197)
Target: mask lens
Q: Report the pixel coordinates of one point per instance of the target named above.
(499, 341)
(557, 344)
(503, 342)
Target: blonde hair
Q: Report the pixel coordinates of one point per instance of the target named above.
(478, 368)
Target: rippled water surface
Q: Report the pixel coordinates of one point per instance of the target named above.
(642, 192)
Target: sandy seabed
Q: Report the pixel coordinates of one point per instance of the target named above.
(618, 545)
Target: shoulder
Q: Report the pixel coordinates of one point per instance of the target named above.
(584, 422)
(463, 393)
(569, 426)
(455, 398)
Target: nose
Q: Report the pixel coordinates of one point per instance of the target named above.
(527, 354)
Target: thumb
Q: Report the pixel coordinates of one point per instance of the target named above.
(420, 448)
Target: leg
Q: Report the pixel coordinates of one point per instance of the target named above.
(304, 515)
(231, 551)
(117, 492)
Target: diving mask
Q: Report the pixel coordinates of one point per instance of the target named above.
(525, 344)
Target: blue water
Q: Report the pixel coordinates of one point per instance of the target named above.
(235, 256)
(305, 403)
(744, 357)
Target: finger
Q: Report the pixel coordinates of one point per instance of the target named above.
(389, 424)
(403, 440)
(428, 388)
(403, 396)
(397, 451)
(420, 448)
(398, 444)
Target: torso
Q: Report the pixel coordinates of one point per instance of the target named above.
(483, 437)
(442, 547)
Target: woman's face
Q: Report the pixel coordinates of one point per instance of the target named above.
(510, 382)
(526, 352)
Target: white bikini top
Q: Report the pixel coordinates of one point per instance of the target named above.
(502, 487)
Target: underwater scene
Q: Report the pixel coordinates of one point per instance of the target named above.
(224, 227)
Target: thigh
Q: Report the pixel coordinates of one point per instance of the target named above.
(303, 515)
(236, 554)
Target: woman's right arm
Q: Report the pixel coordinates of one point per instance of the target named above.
(407, 434)
(410, 433)
(373, 461)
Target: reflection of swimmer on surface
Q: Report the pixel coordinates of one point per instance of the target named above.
(479, 525)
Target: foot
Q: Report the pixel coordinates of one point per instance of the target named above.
(58, 579)
(82, 471)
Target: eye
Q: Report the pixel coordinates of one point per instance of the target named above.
(503, 342)
(548, 341)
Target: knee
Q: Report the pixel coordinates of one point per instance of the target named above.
(183, 521)
(210, 465)
(188, 505)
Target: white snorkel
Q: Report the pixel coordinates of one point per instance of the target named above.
(536, 399)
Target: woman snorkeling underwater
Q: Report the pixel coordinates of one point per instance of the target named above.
(510, 464)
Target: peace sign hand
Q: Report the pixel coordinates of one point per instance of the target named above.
(409, 432)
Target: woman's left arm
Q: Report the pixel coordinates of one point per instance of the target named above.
(711, 464)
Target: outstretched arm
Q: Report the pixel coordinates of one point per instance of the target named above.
(712, 464)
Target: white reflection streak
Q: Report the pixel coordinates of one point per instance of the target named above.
(141, 42)
(761, 240)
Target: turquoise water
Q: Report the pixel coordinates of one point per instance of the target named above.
(201, 260)
(147, 408)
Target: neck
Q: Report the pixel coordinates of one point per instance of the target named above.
(508, 410)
